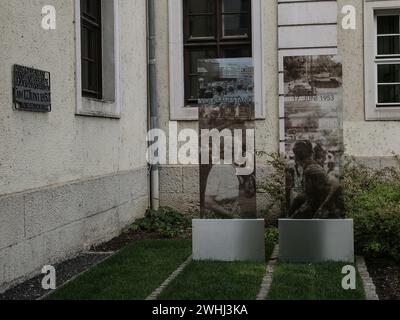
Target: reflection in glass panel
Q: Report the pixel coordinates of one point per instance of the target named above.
(388, 45)
(388, 73)
(236, 25)
(388, 24)
(194, 56)
(201, 6)
(389, 94)
(236, 6)
(202, 26)
(194, 87)
(200, 54)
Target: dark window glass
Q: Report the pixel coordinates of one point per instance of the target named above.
(388, 24)
(388, 94)
(388, 73)
(91, 48)
(214, 29)
(237, 52)
(388, 45)
(236, 17)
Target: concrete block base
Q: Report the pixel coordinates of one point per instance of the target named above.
(316, 240)
(229, 240)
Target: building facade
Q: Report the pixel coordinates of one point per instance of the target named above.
(284, 28)
(78, 175)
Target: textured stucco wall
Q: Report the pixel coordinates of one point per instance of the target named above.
(43, 149)
(67, 182)
(364, 139)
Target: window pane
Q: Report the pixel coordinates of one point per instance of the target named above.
(389, 93)
(388, 45)
(388, 24)
(84, 6)
(194, 87)
(91, 8)
(85, 42)
(237, 52)
(236, 25)
(93, 77)
(236, 6)
(201, 6)
(196, 55)
(388, 73)
(85, 74)
(91, 48)
(201, 26)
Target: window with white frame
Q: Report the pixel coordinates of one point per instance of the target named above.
(382, 60)
(97, 58)
(201, 29)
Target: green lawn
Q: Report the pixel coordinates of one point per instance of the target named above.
(320, 281)
(217, 281)
(132, 274)
(209, 280)
(137, 270)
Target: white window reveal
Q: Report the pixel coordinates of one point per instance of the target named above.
(97, 58)
(382, 60)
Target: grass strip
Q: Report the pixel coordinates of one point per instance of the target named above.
(211, 280)
(313, 281)
(132, 274)
(208, 280)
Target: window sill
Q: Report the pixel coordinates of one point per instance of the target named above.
(91, 107)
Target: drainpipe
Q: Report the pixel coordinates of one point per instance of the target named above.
(152, 87)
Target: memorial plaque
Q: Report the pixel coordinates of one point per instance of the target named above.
(314, 137)
(31, 89)
(226, 123)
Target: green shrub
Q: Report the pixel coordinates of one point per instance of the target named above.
(166, 221)
(272, 235)
(373, 201)
(273, 186)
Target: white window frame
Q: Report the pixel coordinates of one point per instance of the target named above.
(372, 112)
(178, 109)
(108, 107)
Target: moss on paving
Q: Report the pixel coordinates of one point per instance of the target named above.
(132, 274)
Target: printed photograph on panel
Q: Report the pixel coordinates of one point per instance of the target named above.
(313, 137)
(226, 124)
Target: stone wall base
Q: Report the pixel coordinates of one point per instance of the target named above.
(46, 226)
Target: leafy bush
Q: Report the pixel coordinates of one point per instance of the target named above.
(373, 201)
(166, 221)
(274, 187)
(272, 235)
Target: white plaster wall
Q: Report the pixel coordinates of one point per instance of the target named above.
(372, 139)
(39, 150)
